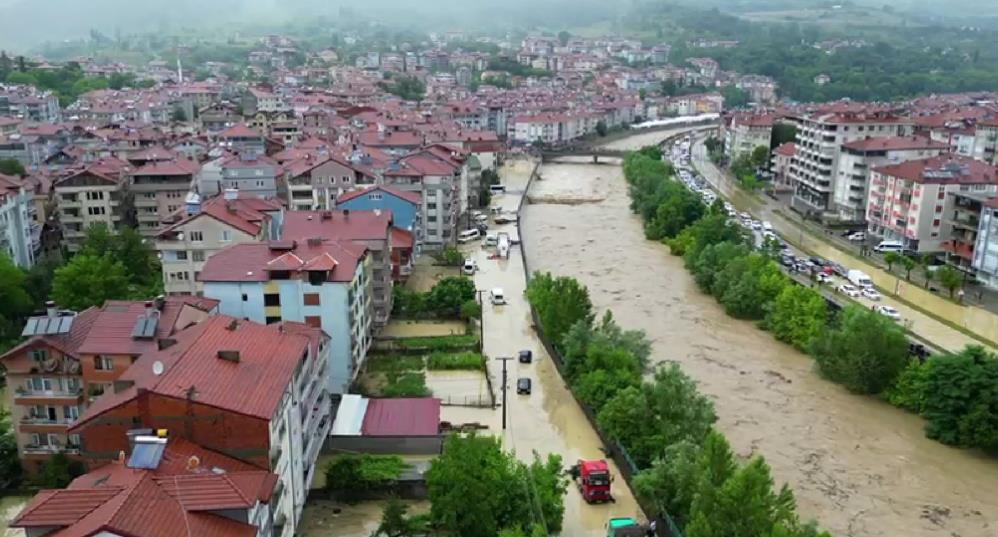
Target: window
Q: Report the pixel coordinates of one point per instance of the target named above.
(935, 223)
(272, 320)
(314, 321)
(316, 277)
(311, 299)
(103, 363)
(196, 236)
(197, 255)
(95, 211)
(346, 179)
(40, 355)
(225, 235)
(73, 440)
(93, 196)
(71, 412)
(245, 298)
(181, 255)
(374, 197)
(942, 194)
(271, 300)
(939, 208)
(97, 390)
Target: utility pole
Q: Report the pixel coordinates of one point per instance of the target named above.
(481, 320)
(504, 360)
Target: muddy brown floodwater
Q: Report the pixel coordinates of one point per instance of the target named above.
(859, 466)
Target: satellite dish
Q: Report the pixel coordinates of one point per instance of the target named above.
(157, 368)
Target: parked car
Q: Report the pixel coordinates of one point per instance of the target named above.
(823, 278)
(526, 356)
(858, 236)
(468, 269)
(497, 297)
(888, 312)
(523, 386)
(850, 291)
(870, 293)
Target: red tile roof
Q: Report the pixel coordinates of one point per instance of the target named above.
(402, 417)
(894, 143)
(268, 357)
(111, 332)
(162, 502)
(248, 262)
(402, 238)
(412, 197)
(178, 166)
(240, 130)
(944, 169)
(337, 225)
(786, 149)
(245, 214)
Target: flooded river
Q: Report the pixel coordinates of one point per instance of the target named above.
(859, 466)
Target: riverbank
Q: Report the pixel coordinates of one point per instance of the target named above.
(857, 465)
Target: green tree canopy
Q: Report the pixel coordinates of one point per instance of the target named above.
(797, 316)
(89, 280)
(560, 303)
(449, 294)
(9, 166)
(862, 350)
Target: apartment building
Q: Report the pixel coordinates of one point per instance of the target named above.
(325, 284)
(819, 144)
(183, 484)
(242, 139)
(986, 140)
(93, 195)
(910, 201)
(19, 233)
(747, 132)
(985, 261)
(783, 155)
(440, 178)
(371, 229)
(204, 228)
(70, 360)
(252, 174)
(858, 157)
(965, 224)
(159, 188)
(248, 391)
(316, 180)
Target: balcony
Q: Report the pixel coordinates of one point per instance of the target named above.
(29, 397)
(275, 456)
(966, 223)
(30, 424)
(50, 449)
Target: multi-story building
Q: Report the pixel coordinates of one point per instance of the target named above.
(909, 202)
(325, 284)
(69, 360)
(93, 195)
(441, 181)
(964, 223)
(405, 207)
(314, 182)
(251, 174)
(782, 157)
(371, 229)
(159, 188)
(986, 140)
(163, 484)
(242, 139)
(985, 262)
(204, 228)
(858, 157)
(18, 237)
(747, 132)
(242, 389)
(818, 145)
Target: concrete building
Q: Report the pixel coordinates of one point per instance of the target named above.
(439, 176)
(818, 145)
(205, 228)
(965, 225)
(252, 175)
(782, 157)
(162, 485)
(909, 201)
(325, 284)
(93, 195)
(19, 232)
(858, 157)
(747, 132)
(985, 261)
(242, 389)
(159, 188)
(986, 141)
(370, 229)
(242, 139)
(314, 182)
(405, 207)
(70, 360)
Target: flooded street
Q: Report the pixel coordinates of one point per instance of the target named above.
(860, 467)
(10, 506)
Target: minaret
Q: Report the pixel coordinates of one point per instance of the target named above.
(180, 72)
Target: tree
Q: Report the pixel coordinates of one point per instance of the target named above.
(58, 471)
(476, 489)
(10, 464)
(734, 97)
(670, 484)
(908, 264)
(891, 258)
(928, 269)
(15, 302)
(658, 414)
(601, 129)
(178, 115)
(408, 88)
(862, 350)
(88, 280)
(560, 303)
(563, 37)
(759, 156)
(9, 166)
(783, 133)
(950, 278)
(797, 316)
(713, 259)
(471, 309)
(744, 505)
(448, 295)
(959, 398)
(678, 210)
(395, 521)
(20, 77)
(748, 284)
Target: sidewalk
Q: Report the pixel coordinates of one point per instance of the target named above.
(933, 317)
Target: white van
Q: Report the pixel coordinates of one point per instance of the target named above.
(859, 279)
(497, 189)
(469, 267)
(491, 239)
(468, 235)
(497, 297)
(889, 246)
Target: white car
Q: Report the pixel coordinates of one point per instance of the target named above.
(823, 278)
(859, 236)
(756, 225)
(871, 294)
(469, 267)
(850, 291)
(889, 312)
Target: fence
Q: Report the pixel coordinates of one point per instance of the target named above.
(665, 527)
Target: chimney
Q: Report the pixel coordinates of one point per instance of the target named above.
(314, 241)
(50, 309)
(231, 356)
(327, 215)
(233, 324)
(160, 302)
(377, 212)
(346, 213)
(149, 308)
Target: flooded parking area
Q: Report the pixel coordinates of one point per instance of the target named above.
(859, 466)
(397, 328)
(326, 518)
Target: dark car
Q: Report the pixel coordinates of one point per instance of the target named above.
(526, 356)
(523, 386)
(817, 261)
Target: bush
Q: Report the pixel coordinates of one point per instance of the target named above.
(386, 363)
(350, 476)
(862, 350)
(471, 309)
(450, 257)
(445, 300)
(406, 384)
(59, 471)
(466, 360)
(439, 343)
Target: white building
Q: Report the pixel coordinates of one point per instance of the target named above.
(17, 238)
(985, 260)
